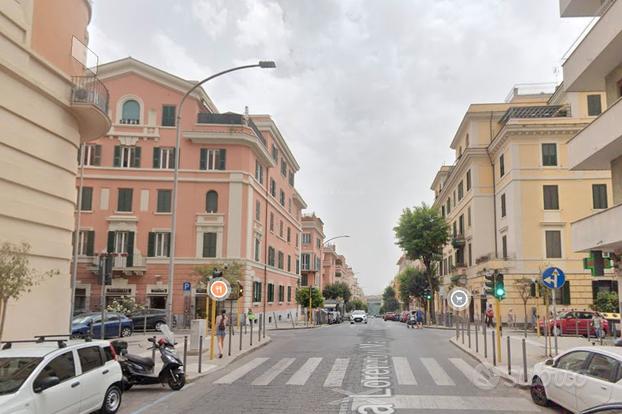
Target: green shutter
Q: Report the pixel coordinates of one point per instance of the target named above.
(203, 160)
(97, 159)
(136, 160)
(566, 293)
(209, 244)
(156, 157)
(151, 244)
(168, 245)
(90, 243)
(130, 249)
(110, 242)
(222, 159)
(117, 156)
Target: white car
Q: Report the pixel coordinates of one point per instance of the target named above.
(59, 376)
(579, 379)
(358, 316)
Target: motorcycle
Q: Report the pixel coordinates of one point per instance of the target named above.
(139, 370)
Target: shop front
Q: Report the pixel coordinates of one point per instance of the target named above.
(156, 296)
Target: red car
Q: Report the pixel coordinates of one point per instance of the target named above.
(389, 316)
(575, 323)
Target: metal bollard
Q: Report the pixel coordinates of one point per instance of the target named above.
(185, 349)
(576, 326)
(292, 318)
(494, 349)
(457, 334)
(145, 324)
(230, 334)
(200, 352)
(153, 350)
(462, 330)
(485, 344)
(476, 339)
(251, 335)
(469, 331)
(259, 328)
(91, 330)
(524, 360)
(119, 328)
(241, 335)
(509, 358)
(275, 325)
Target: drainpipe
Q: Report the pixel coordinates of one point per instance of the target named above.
(494, 186)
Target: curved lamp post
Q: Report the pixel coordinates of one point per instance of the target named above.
(171, 262)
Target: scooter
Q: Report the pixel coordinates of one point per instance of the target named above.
(139, 370)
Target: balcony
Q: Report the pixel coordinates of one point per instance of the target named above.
(230, 118)
(89, 103)
(458, 241)
(599, 143)
(600, 231)
(579, 8)
(129, 265)
(598, 54)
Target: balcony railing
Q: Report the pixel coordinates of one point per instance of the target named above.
(458, 241)
(230, 118)
(90, 90)
(546, 111)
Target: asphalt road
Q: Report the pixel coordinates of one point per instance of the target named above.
(381, 367)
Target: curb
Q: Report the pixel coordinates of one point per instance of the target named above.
(229, 362)
(442, 328)
(293, 329)
(507, 378)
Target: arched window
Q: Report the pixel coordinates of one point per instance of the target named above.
(211, 202)
(131, 112)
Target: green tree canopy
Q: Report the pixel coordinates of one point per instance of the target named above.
(413, 283)
(356, 304)
(231, 271)
(606, 302)
(337, 290)
(389, 300)
(302, 297)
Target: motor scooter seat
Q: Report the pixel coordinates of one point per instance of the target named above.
(147, 362)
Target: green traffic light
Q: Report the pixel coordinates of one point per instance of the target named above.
(500, 291)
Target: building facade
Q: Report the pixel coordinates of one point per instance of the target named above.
(237, 203)
(312, 244)
(49, 104)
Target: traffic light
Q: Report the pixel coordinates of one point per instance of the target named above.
(240, 289)
(427, 294)
(489, 283)
(499, 287)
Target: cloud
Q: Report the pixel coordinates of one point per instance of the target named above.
(212, 14)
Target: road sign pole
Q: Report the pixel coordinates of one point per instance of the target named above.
(498, 327)
(555, 320)
(212, 332)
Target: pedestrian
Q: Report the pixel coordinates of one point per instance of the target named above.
(221, 323)
(489, 315)
(597, 323)
(412, 320)
(510, 319)
(251, 316)
(534, 318)
(419, 317)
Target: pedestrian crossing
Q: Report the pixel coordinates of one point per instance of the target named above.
(331, 373)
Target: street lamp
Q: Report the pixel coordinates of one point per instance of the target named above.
(264, 64)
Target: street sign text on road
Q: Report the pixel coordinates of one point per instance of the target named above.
(219, 289)
(459, 298)
(553, 278)
(187, 286)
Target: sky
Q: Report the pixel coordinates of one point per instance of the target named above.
(367, 93)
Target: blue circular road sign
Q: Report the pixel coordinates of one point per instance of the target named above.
(553, 278)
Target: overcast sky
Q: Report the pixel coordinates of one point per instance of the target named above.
(368, 94)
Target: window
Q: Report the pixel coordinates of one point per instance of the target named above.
(280, 228)
(306, 238)
(213, 159)
(281, 293)
(468, 180)
(562, 296)
(467, 141)
(120, 242)
(275, 153)
(283, 168)
(469, 216)
(256, 291)
(164, 201)
(551, 197)
(259, 172)
(257, 249)
(318, 243)
(271, 221)
(209, 244)
(272, 187)
(126, 156)
(503, 211)
(90, 358)
(594, 106)
(289, 293)
(130, 113)
(282, 197)
(124, 201)
(92, 155)
(270, 292)
(289, 234)
(504, 246)
(454, 200)
(448, 205)
(168, 115)
(455, 231)
(211, 202)
(297, 266)
(280, 260)
(599, 196)
(470, 254)
(573, 361)
(86, 203)
(304, 280)
(289, 263)
(501, 166)
(271, 256)
(86, 239)
(306, 261)
(553, 244)
(443, 211)
(257, 210)
(549, 155)
(291, 178)
(297, 238)
(164, 157)
(158, 244)
(62, 367)
(460, 190)
(602, 367)
(461, 224)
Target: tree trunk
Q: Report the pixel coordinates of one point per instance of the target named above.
(3, 305)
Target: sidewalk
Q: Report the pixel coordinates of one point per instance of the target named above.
(535, 350)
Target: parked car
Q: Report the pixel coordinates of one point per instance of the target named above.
(155, 319)
(358, 316)
(116, 324)
(579, 379)
(59, 376)
(388, 316)
(613, 408)
(574, 323)
(404, 316)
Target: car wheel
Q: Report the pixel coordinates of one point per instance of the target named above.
(112, 400)
(126, 331)
(159, 324)
(538, 393)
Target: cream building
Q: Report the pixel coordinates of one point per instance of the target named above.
(510, 197)
(48, 105)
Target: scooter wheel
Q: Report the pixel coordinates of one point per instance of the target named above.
(177, 381)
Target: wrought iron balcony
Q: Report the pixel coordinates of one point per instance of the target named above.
(230, 118)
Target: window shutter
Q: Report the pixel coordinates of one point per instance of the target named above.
(136, 160)
(130, 249)
(151, 245)
(156, 157)
(566, 293)
(168, 244)
(173, 159)
(97, 158)
(90, 243)
(209, 244)
(222, 159)
(117, 156)
(203, 160)
(110, 242)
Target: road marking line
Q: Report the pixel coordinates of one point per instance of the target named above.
(301, 376)
(159, 400)
(267, 377)
(437, 373)
(241, 371)
(337, 373)
(471, 373)
(403, 372)
(450, 402)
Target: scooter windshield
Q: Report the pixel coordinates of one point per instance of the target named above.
(167, 333)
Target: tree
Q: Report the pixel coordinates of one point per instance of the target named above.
(338, 290)
(16, 276)
(231, 271)
(606, 302)
(413, 283)
(421, 233)
(389, 300)
(302, 297)
(523, 286)
(356, 304)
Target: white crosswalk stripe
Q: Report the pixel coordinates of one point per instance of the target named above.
(337, 373)
(241, 371)
(403, 372)
(471, 373)
(267, 377)
(301, 376)
(437, 373)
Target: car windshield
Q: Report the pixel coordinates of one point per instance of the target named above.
(14, 371)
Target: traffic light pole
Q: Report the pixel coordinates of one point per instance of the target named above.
(498, 327)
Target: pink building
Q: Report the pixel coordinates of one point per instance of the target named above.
(329, 265)
(312, 244)
(236, 202)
